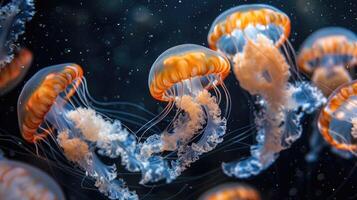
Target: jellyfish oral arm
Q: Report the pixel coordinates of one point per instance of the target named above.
(212, 134)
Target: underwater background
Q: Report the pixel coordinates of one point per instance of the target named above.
(116, 42)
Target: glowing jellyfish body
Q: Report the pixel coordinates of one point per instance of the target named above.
(337, 121)
(12, 73)
(231, 192)
(329, 56)
(21, 181)
(183, 76)
(13, 17)
(254, 37)
(54, 103)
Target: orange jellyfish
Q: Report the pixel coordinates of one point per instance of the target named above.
(337, 121)
(54, 104)
(233, 191)
(21, 181)
(12, 73)
(183, 76)
(329, 56)
(255, 38)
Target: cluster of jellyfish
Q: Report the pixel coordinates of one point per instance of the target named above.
(329, 57)
(55, 106)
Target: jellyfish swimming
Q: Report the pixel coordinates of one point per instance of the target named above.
(337, 121)
(22, 181)
(54, 103)
(13, 17)
(231, 191)
(12, 73)
(329, 57)
(183, 76)
(255, 38)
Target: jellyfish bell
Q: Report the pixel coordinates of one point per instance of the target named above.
(328, 47)
(22, 181)
(12, 73)
(183, 76)
(337, 121)
(231, 191)
(231, 29)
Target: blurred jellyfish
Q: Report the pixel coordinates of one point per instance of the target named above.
(232, 191)
(13, 17)
(22, 181)
(183, 76)
(329, 56)
(255, 38)
(54, 102)
(12, 73)
(337, 121)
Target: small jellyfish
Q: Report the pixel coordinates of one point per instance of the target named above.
(337, 121)
(255, 38)
(183, 76)
(329, 57)
(55, 103)
(22, 181)
(232, 191)
(13, 17)
(12, 73)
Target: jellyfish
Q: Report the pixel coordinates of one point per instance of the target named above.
(255, 38)
(13, 17)
(183, 76)
(231, 191)
(337, 122)
(22, 181)
(12, 73)
(328, 56)
(54, 103)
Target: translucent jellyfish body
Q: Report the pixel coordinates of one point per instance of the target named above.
(21, 181)
(183, 76)
(12, 73)
(232, 191)
(337, 121)
(54, 102)
(329, 56)
(254, 37)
